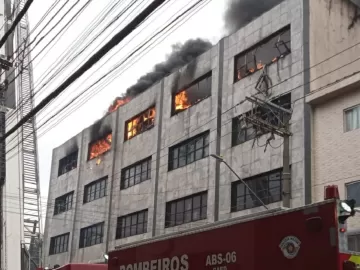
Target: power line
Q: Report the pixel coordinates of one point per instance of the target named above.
(16, 22)
(93, 60)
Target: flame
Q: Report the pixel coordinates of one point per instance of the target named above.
(259, 65)
(99, 147)
(141, 122)
(181, 101)
(118, 103)
(98, 161)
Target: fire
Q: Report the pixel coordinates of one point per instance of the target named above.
(100, 147)
(181, 101)
(141, 123)
(98, 161)
(118, 103)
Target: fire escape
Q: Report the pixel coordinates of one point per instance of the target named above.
(31, 245)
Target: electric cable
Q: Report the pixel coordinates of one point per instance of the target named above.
(94, 59)
(16, 22)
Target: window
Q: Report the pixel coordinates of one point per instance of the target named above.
(95, 190)
(136, 173)
(140, 123)
(264, 53)
(63, 203)
(185, 210)
(91, 235)
(132, 224)
(352, 118)
(100, 146)
(266, 186)
(193, 94)
(189, 151)
(244, 131)
(59, 244)
(353, 192)
(68, 163)
(354, 242)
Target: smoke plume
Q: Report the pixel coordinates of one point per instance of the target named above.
(241, 12)
(237, 15)
(180, 55)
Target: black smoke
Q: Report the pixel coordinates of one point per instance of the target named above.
(241, 12)
(180, 55)
(237, 15)
(99, 130)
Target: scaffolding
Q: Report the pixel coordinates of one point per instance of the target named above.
(31, 211)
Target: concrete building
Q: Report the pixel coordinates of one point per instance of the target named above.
(335, 101)
(145, 170)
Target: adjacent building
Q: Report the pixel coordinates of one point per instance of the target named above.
(146, 170)
(334, 97)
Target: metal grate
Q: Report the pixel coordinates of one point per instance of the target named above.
(31, 190)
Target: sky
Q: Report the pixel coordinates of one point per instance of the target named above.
(53, 128)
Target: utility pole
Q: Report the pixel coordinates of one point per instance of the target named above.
(269, 117)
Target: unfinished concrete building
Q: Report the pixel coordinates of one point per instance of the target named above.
(145, 169)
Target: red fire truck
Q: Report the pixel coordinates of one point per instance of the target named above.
(312, 237)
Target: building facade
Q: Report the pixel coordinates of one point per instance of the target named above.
(146, 170)
(334, 96)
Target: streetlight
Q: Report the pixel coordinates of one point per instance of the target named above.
(219, 158)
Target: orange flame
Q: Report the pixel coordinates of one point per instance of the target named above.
(143, 121)
(100, 147)
(118, 103)
(181, 101)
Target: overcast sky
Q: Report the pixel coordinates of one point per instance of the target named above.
(207, 23)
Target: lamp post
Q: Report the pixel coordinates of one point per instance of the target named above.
(220, 159)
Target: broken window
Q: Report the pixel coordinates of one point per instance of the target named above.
(140, 123)
(95, 190)
(59, 244)
(264, 53)
(189, 151)
(136, 173)
(266, 186)
(100, 146)
(244, 131)
(192, 94)
(63, 203)
(132, 224)
(185, 210)
(68, 163)
(91, 235)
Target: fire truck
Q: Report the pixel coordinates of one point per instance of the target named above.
(312, 237)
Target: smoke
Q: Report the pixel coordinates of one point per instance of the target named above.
(241, 12)
(180, 55)
(98, 130)
(237, 15)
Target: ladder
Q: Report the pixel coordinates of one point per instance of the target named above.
(31, 211)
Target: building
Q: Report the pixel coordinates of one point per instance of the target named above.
(145, 169)
(20, 194)
(334, 96)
